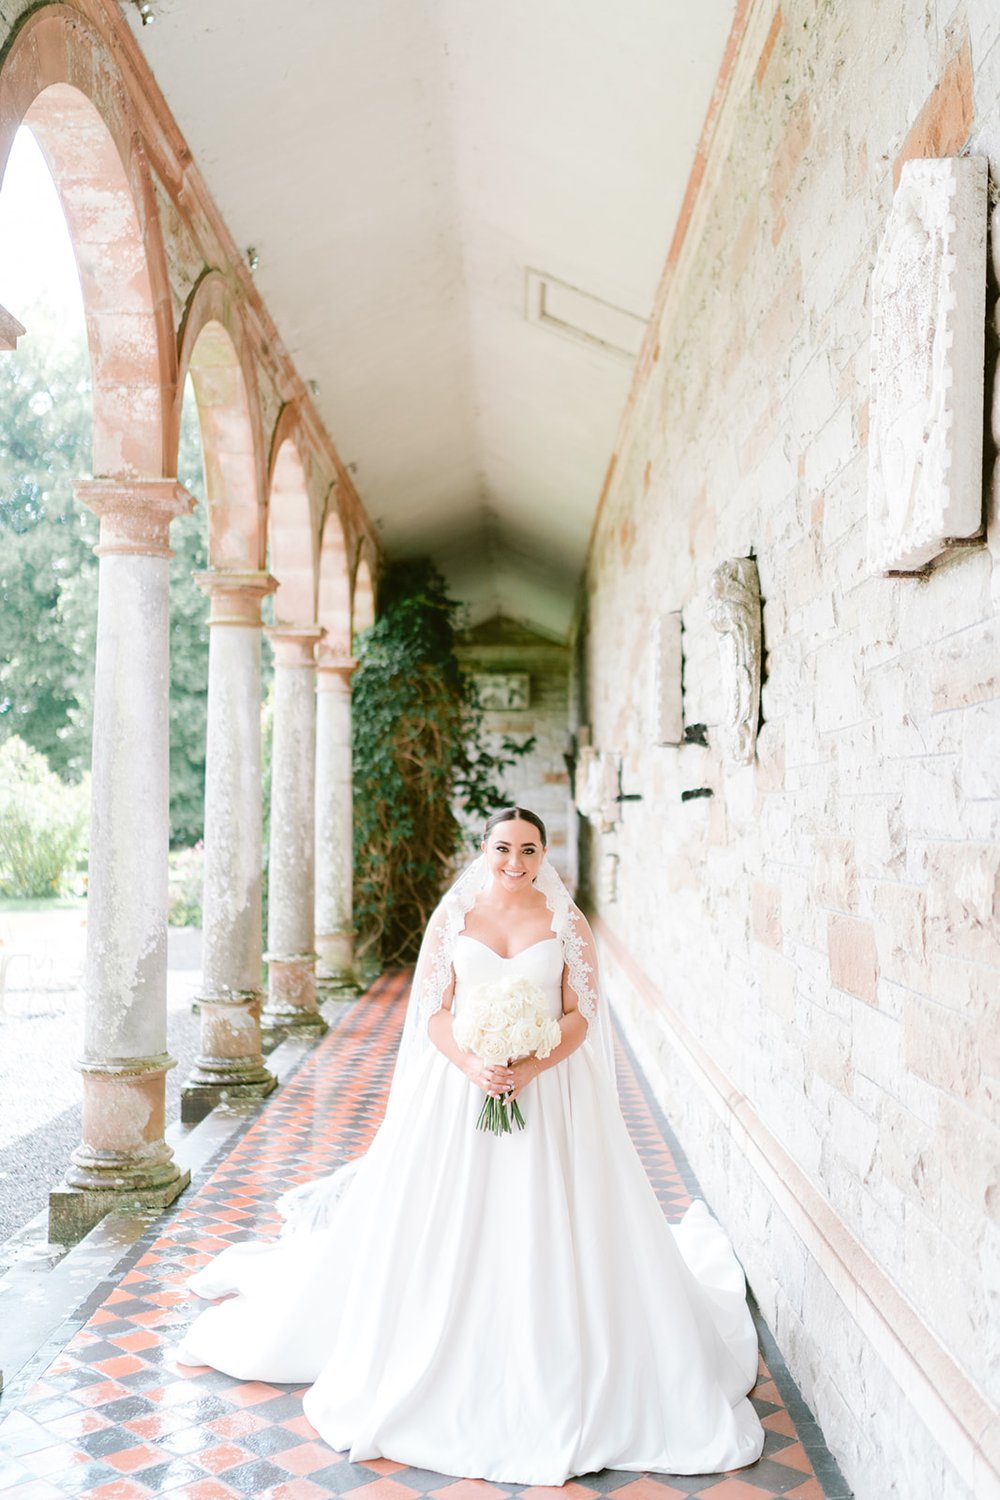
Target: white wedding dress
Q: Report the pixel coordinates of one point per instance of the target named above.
(511, 1308)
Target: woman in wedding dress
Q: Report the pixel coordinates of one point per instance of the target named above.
(516, 1307)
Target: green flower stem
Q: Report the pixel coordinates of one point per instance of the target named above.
(494, 1117)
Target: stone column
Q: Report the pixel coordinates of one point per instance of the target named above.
(291, 992)
(123, 1159)
(230, 1065)
(334, 825)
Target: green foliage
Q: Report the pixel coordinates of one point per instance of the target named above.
(42, 823)
(48, 577)
(419, 757)
(185, 883)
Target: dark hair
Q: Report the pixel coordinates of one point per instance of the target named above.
(508, 814)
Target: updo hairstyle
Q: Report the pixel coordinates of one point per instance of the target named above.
(508, 815)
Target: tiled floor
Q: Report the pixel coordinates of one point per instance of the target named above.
(112, 1418)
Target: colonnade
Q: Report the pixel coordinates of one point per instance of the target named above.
(123, 1158)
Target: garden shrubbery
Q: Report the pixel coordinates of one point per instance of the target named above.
(43, 824)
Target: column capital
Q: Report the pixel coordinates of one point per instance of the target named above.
(135, 514)
(295, 645)
(334, 670)
(235, 597)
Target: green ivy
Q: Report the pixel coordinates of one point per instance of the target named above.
(420, 759)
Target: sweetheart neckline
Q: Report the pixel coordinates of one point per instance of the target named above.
(507, 957)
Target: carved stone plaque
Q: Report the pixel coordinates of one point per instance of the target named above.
(597, 785)
(668, 707)
(502, 690)
(734, 610)
(927, 352)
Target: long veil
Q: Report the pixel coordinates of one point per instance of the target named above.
(309, 1206)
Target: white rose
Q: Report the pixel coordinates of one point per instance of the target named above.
(551, 1036)
(523, 1037)
(494, 1047)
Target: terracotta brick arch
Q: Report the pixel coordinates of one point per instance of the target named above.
(60, 79)
(215, 351)
(291, 534)
(362, 594)
(334, 580)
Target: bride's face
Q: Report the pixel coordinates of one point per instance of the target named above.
(514, 852)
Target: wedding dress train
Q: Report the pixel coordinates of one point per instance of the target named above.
(510, 1308)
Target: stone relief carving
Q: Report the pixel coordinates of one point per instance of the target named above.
(668, 707)
(597, 783)
(927, 352)
(502, 690)
(734, 610)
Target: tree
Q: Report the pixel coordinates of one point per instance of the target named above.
(45, 553)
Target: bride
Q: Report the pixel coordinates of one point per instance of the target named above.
(516, 1307)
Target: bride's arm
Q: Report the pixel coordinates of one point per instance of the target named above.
(574, 1032)
(490, 1077)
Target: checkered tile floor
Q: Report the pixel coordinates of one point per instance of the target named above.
(112, 1418)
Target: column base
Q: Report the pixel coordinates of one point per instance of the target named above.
(290, 1008)
(335, 976)
(75, 1209)
(335, 962)
(199, 1099)
(230, 1068)
(338, 987)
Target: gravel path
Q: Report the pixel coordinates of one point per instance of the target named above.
(40, 1041)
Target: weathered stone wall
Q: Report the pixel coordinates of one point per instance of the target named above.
(538, 780)
(809, 959)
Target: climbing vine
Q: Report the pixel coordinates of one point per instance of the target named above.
(420, 758)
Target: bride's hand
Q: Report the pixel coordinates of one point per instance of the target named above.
(493, 1078)
(522, 1072)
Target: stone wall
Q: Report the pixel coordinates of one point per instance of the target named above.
(809, 959)
(538, 780)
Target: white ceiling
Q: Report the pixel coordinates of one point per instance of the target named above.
(400, 166)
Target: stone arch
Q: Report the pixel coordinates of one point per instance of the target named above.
(290, 531)
(59, 79)
(334, 607)
(362, 595)
(215, 350)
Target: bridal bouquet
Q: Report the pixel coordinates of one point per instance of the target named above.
(501, 1023)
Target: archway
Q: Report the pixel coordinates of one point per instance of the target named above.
(334, 597)
(214, 352)
(363, 597)
(59, 79)
(291, 536)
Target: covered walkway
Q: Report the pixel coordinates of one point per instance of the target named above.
(102, 1410)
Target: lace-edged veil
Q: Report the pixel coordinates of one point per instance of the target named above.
(308, 1207)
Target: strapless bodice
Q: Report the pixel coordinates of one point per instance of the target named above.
(542, 963)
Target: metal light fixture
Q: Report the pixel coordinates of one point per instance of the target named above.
(253, 259)
(147, 15)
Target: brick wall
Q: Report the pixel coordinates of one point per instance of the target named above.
(819, 942)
